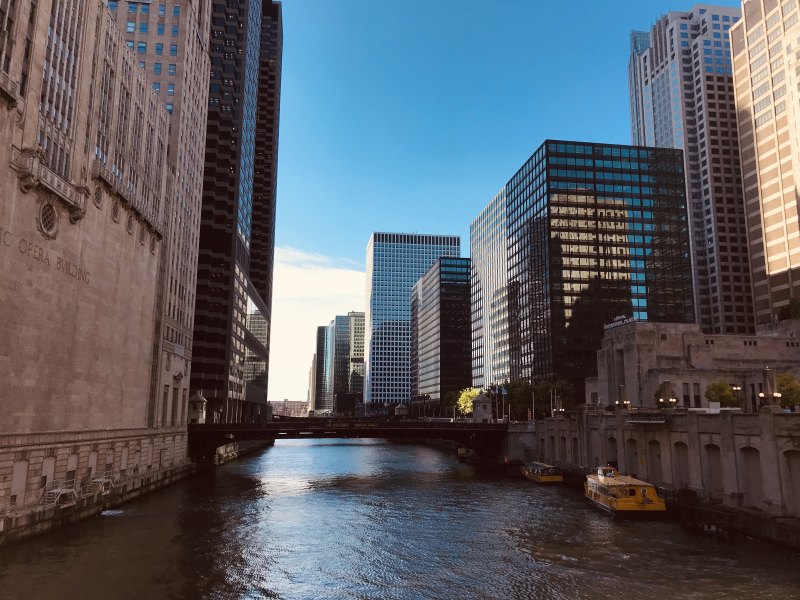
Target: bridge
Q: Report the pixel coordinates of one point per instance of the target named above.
(484, 438)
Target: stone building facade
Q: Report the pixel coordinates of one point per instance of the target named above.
(739, 460)
(639, 360)
(84, 220)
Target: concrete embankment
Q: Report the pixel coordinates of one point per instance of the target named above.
(71, 508)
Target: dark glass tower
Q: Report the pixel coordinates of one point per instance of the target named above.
(441, 357)
(237, 227)
(594, 231)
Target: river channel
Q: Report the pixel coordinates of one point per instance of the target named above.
(318, 519)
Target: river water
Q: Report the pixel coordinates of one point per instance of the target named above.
(317, 519)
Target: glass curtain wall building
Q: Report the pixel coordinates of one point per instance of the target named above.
(593, 232)
(234, 274)
(682, 96)
(440, 330)
(324, 365)
(489, 289)
(395, 261)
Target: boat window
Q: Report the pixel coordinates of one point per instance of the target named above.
(632, 491)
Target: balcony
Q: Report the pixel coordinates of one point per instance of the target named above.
(9, 90)
(33, 173)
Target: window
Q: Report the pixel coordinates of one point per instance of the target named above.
(142, 27)
(159, 49)
(112, 5)
(132, 7)
(170, 89)
(156, 86)
(142, 64)
(162, 9)
(144, 9)
(157, 68)
(130, 44)
(169, 107)
(174, 31)
(173, 50)
(131, 27)
(141, 47)
(160, 29)
(172, 69)
(176, 11)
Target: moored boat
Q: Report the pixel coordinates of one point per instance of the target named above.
(542, 473)
(620, 495)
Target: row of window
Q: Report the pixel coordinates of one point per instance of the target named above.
(141, 48)
(143, 27)
(144, 8)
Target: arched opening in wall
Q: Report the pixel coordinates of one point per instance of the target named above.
(72, 470)
(563, 456)
(19, 483)
(91, 466)
(48, 470)
(751, 484)
(551, 454)
(611, 452)
(792, 458)
(576, 459)
(680, 462)
(123, 462)
(109, 468)
(542, 449)
(712, 471)
(631, 457)
(654, 473)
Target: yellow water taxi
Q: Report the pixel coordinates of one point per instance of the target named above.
(621, 495)
(542, 473)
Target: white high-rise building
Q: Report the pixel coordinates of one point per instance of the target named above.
(489, 291)
(395, 261)
(680, 80)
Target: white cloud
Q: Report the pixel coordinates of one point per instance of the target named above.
(309, 290)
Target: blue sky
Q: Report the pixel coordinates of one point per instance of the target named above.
(409, 116)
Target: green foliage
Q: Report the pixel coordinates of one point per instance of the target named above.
(720, 391)
(465, 400)
(789, 388)
(521, 395)
(449, 401)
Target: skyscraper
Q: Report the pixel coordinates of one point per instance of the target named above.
(234, 273)
(489, 290)
(170, 43)
(765, 58)
(395, 261)
(323, 376)
(680, 82)
(441, 335)
(93, 197)
(593, 231)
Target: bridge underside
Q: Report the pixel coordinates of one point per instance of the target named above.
(484, 439)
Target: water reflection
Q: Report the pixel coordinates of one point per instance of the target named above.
(366, 519)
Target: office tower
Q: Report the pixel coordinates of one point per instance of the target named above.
(348, 362)
(85, 221)
(395, 261)
(234, 271)
(489, 289)
(323, 375)
(680, 82)
(441, 334)
(765, 57)
(593, 231)
(355, 384)
(312, 383)
(169, 41)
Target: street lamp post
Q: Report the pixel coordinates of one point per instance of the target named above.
(737, 389)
